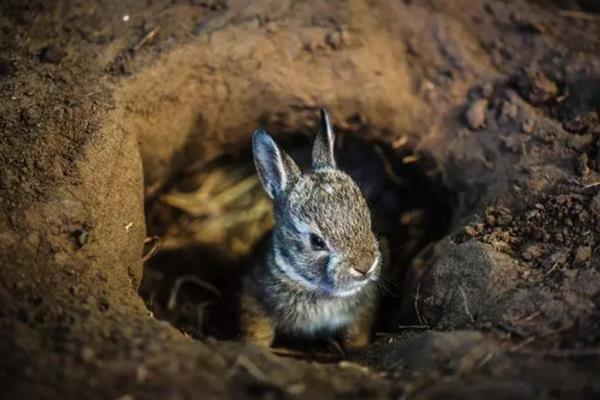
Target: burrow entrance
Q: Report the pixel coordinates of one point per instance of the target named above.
(210, 216)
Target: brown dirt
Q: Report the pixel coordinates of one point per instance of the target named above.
(497, 102)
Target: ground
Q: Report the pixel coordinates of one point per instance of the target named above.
(485, 119)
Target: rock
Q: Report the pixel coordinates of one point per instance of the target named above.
(581, 122)
(87, 354)
(487, 90)
(528, 125)
(475, 114)
(583, 254)
(536, 87)
(333, 39)
(52, 54)
(532, 252)
(464, 284)
(469, 230)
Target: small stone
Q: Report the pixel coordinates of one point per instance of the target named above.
(537, 87)
(333, 39)
(528, 125)
(475, 114)
(532, 252)
(583, 254)
(80, 236)
(469, 230)
(487, 90)
(52, 54)
(87, 354)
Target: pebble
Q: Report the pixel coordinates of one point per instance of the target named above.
(540, 87)
(333, 39)
(583, 254)
(469, 230)
(532, 252)
(528, 125)
(476, 113)
(87, 354)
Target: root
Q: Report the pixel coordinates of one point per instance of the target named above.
(466, 304)
(419, 317)
(172, 302)
(154, 249)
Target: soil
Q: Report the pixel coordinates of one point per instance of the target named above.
(486, 112)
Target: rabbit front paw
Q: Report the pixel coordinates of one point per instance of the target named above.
(358, 334)
(257, 328)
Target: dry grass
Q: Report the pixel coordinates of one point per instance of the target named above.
(226, 208)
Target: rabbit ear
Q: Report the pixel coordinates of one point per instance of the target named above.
(275, 168)
(322, 153)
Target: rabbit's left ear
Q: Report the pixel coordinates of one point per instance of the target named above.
(322, 153)
(276, 170)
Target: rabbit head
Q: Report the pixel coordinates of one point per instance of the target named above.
(322, 238)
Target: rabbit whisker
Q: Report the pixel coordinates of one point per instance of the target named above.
(390, 282)
(382, 286)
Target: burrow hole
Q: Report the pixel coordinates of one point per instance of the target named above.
(211, 215)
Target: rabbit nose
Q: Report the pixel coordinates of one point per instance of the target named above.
(360, 270)
(364, 266)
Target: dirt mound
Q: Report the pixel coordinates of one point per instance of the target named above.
(482, 116)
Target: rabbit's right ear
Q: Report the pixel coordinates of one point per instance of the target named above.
(322, 153)
(276, 170)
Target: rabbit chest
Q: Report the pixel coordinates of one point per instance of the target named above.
(294, 310)
(304, 313)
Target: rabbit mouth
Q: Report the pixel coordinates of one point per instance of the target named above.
(326, 287)
(335, 290)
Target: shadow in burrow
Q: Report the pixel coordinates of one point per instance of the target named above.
(210, 217)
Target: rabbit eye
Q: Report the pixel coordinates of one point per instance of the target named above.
(316, 243)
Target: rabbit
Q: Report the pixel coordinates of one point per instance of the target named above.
(316, 273)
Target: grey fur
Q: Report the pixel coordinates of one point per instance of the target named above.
(300, 288)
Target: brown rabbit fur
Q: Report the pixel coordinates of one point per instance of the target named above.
(316, 274)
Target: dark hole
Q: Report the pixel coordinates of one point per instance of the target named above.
(194, 283)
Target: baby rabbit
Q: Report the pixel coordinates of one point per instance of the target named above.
(316, 274)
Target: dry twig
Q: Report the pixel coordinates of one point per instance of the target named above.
(419, 317)
(579, 15)
(146, 39)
